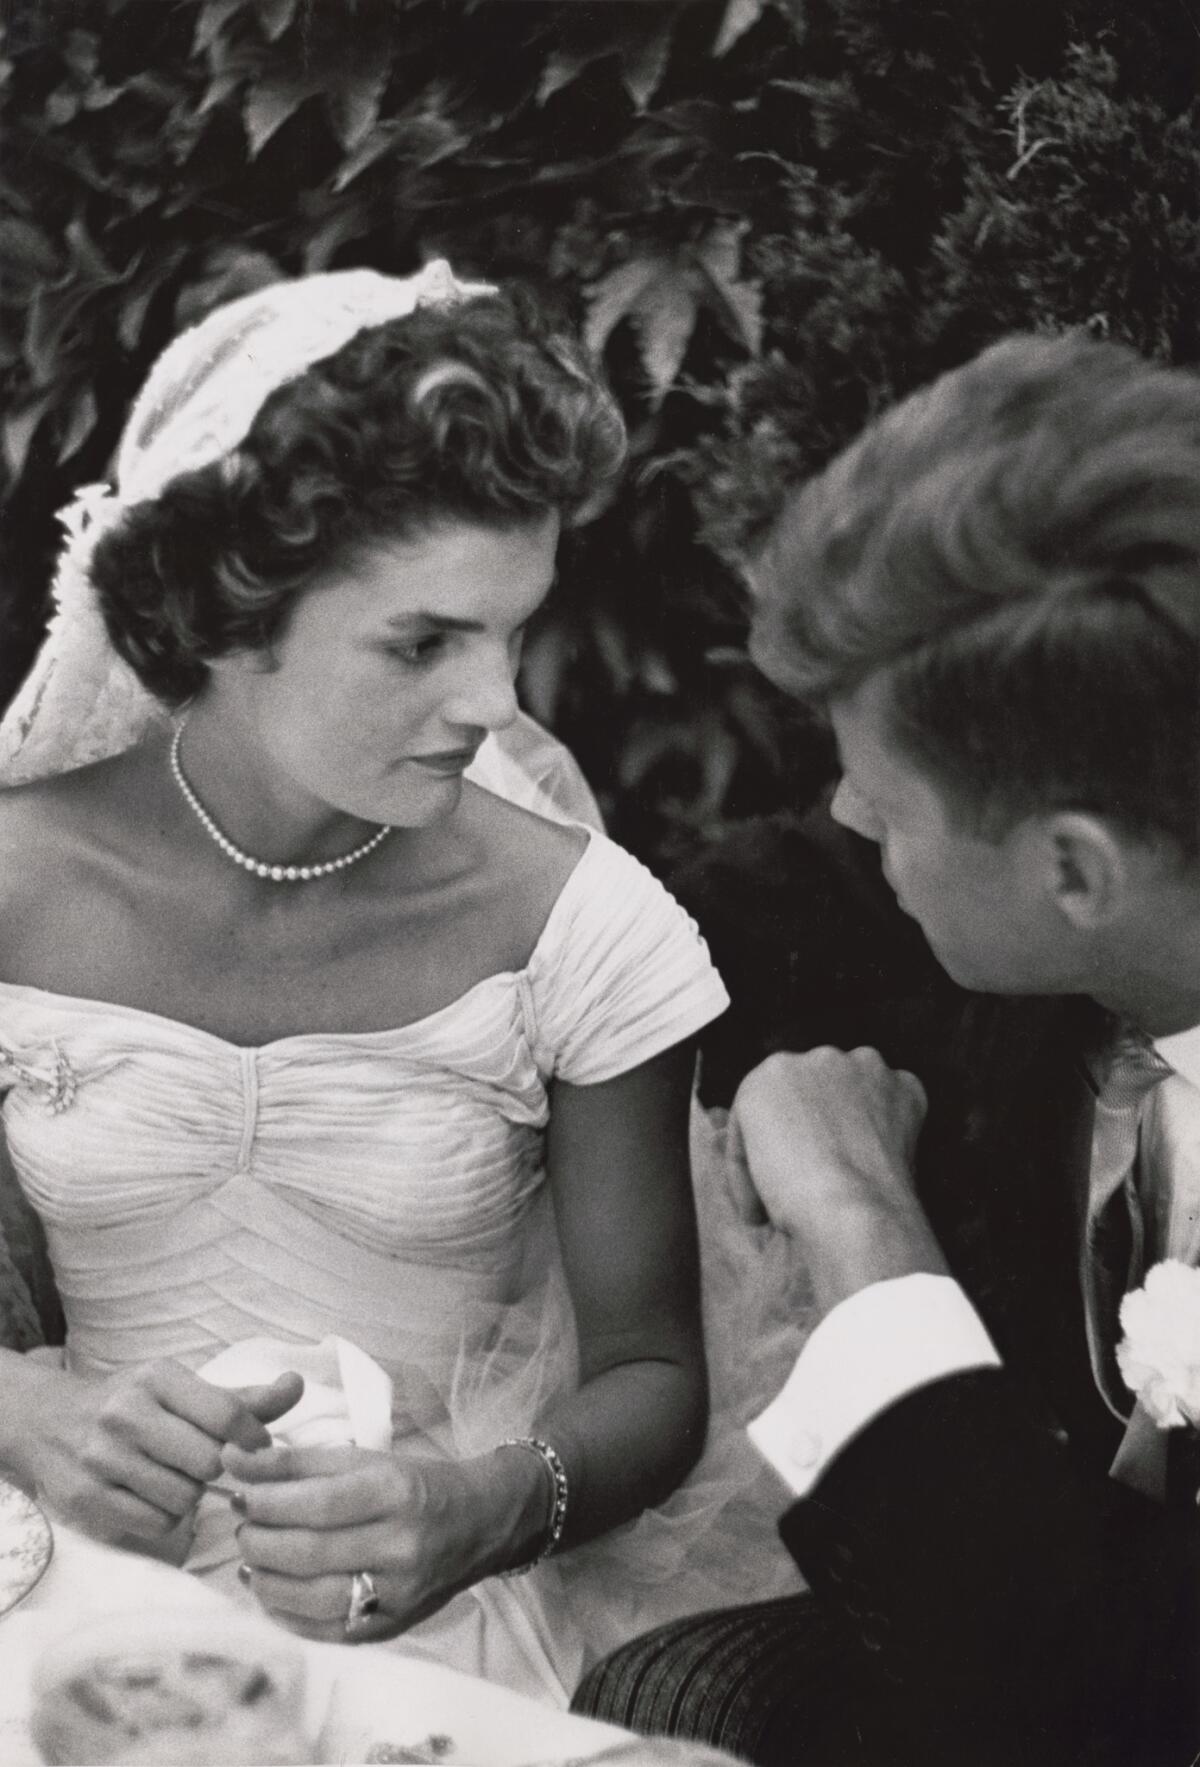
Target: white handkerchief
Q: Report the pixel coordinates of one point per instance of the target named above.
(347, 1396)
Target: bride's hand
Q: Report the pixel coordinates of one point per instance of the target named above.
(126, 1458)
(423, 1529)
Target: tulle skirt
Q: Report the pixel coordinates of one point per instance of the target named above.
(473, 1356)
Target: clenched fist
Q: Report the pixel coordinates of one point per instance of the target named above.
(825, 1142)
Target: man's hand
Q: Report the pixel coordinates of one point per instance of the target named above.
(826, 1140)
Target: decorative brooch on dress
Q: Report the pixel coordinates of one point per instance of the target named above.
(55, 1082)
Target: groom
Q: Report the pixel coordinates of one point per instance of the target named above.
(995, 596)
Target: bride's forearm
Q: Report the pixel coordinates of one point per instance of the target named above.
(617, 1158)
(626, 1438)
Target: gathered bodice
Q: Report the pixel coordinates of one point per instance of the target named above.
(385, 1185)
(420, 1141)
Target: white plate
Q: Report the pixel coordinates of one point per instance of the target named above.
(383, 1707)
(26, 1545)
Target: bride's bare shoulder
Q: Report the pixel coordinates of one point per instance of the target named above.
(51, 828)
(527, 853)
(64, 803)
(69, 846)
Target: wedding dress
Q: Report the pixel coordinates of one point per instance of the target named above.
(387, 1189)
(371, 1208)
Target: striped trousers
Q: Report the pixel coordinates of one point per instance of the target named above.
(777, 1685)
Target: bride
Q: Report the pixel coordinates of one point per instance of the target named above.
(346, 1067)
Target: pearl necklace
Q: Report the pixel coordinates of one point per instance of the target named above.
(272, 873)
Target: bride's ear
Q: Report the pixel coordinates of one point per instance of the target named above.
(236, 664)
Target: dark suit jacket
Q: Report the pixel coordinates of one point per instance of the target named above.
(1010, 1602)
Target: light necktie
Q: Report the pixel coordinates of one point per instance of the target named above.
(1113, 1251)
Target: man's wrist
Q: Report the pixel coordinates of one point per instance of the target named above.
(865, 1241)
(882, 1343)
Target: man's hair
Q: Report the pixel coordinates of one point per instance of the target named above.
(483, 412)
(1018, 546)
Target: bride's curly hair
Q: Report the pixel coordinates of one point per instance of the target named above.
(484, 412)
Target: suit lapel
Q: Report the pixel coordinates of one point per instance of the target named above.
(1022, 1146)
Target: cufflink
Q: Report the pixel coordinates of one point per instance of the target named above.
(805, 1449)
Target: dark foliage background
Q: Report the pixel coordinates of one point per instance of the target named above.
(771, 216)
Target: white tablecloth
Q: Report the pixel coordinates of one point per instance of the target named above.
(358, 1698)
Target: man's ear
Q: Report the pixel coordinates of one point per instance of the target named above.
(1088, 869)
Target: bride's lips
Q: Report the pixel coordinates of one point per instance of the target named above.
(447, 761)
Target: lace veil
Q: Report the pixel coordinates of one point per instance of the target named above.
(80, 701)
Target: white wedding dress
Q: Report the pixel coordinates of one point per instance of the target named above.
(387, 1188)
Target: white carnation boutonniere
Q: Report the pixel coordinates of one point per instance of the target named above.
(1159, 1354)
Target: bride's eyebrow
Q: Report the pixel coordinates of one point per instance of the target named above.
(438, 622)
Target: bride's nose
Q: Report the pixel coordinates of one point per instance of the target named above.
(849, 809)
(484, 693)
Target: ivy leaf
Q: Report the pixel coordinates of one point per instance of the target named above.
(99, 97)
(228, 272)
(133, 314)
(419, 141)
(718, 761)
(230, 66)
(156, 89)
(210, 25)
(563, 66)
(613, 296)
(719, 255)
(81, 54)
(62, 107)
(658, 294)
(656, 675)
(432, 137)
(744, 300)
(642, 45)
(375, 147)
(720, 251)
(615, 651)
(20, 429)
(354, 102)
(26, 253)
(272, 101)
(739, 16)
(79, 424)
(275, 16)
(646, 746)
(348, 219)
(664, 317)
(53, 322)
(644, 61)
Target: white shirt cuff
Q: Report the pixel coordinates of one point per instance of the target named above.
(871, 1350)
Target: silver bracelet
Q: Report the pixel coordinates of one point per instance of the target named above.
(559, 1494)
